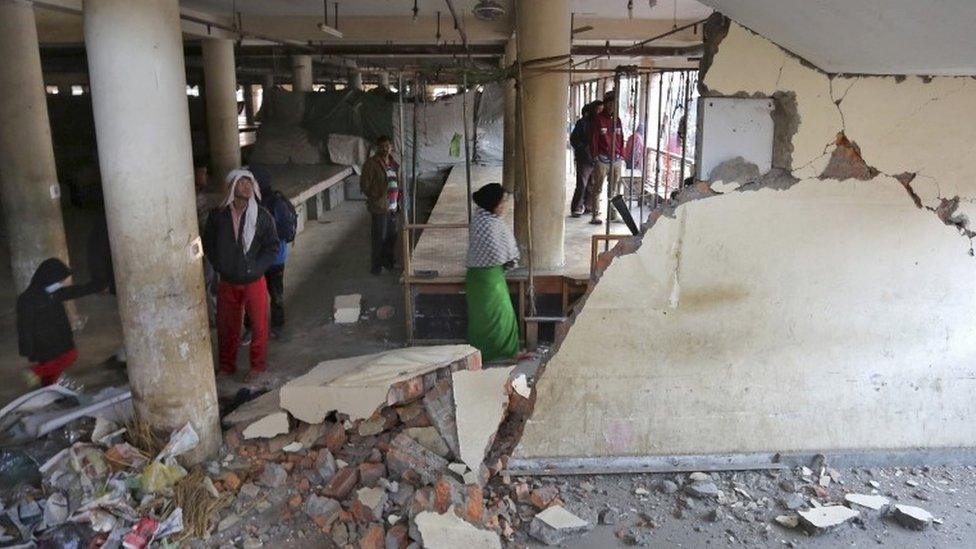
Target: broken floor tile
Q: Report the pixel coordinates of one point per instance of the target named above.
(480, 400)
(874, 503)
(555, 525)
(448, 531)
(347, 308)
(821, 519)
(912, 517)
(367, 382)
(271, 425)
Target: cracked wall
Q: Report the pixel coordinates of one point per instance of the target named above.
(823, 315)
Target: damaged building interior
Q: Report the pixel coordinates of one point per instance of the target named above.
(390, 274)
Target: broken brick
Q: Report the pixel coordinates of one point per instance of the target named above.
(439, 403)
(447, 492)
(324, 511)
(543, 497)
(474, 507)
(406, 454)
(370, 473)
(373, 538)
(396, 537)
(334, 437)
(295, 501)
(342, 483)
(231, 481)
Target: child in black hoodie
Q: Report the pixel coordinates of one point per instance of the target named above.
(43, 329)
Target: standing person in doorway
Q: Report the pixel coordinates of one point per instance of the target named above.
(43, 330)
(492, 324)
(579, 139)
(380, 182)
(240, 242)
(286, 225)
(607, 147)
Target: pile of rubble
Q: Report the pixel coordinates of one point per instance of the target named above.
(386, 451)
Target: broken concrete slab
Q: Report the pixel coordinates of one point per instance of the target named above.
(556, 524)
(914, 518)
(448, 531)
(439, 403)
(254, 409)
(821, 519)
(867, 501)
(270, 426)
(480, 401)
(788, 521)
(364, 383)
(347, 308)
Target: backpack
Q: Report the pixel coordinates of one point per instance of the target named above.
(286, 219)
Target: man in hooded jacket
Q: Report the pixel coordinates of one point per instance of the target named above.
(240, 242)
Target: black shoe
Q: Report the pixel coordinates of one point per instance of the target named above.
(576, 214)
(246, 338)
(596, 221)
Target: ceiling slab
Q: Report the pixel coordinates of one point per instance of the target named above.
(925, 37)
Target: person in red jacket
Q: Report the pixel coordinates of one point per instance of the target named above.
(606, 143)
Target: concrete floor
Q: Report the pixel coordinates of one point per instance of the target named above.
(329, 258)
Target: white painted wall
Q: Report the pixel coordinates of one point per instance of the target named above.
(736, 126)
(834, 315)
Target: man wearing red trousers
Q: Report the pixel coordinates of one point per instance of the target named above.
(240, 242)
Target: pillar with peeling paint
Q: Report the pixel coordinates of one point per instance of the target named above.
(142, 125)
(543, 32)
(301, 73)
(223, 136)
(28, 176)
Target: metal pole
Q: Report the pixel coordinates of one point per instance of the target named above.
(467, 150)
(634, 94)
(657, 150)
(413, 184)
(647, 120)
(684, 134)
(401, 148)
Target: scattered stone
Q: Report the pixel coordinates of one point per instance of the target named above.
(788, 521)
(702, 490)
(269, 426)
(699, 477)
(342, 483)
(667, 487)
(641, 491)
(555, 525)
(293, 447)
(325, 465)
(273, 476)
(249, 490)
(323, 510)
(872, 502)
(793, 502)
(713, 515)
(914, 518)
(818, 520)
(635, 536)
(608, 517)
(347, 308)
(373, 499)
(543, 497)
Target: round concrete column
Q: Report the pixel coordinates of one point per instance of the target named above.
(301, 73)
(28, 178)
(142, 124)
(356, 80)
(223, 136)
(543, 31)
(384, 80)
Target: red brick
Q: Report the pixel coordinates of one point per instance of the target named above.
(397, 537)
(474, 507)
(373, 538)
(334, 437)
(295, 501)
(342, 483)
(543, 497)
(407, 454)
(231, 481)
(370, 473)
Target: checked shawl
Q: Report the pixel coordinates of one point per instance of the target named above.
(490, 241)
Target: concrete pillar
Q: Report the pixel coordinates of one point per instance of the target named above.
(249, 103)
(356, 80)
(142, 125)
(384, 80)
(268, 83)
(543, 31)
(28, 177)
(509, 171)
(301, 73)
(223, 136)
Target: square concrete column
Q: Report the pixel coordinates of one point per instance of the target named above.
(301, 70)
(142, 124)
(543, 31)
(223, 135)
(29, 187)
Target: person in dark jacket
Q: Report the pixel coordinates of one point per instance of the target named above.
(285, 225)
(43, 330)
(607, 149)
(241, 243)
(580, 141)
(380, 183)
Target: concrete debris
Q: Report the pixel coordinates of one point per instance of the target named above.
(556, 524)
(788, 521)
(520, 384)
(914, 518)
(822, 519)
(393, 377)
(293, 447)
(373, 499)
(273, 476)
(448, 531)
(347, 308)
(702, 489)
(272, 425)
(793, 502)
(872, 502)
(480, 401)
(698, 477)
(323, 510)
(431, 439)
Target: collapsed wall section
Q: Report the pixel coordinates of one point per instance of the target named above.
(832, 315)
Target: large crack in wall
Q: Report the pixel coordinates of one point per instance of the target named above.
(830, 128)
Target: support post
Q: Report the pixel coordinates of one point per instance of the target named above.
(384, 80)
(301, 73)
(223, 136)
(142, 124)
(509, 161)
(28, 176)
(543, 28)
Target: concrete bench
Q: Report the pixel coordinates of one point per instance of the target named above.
(312, 189)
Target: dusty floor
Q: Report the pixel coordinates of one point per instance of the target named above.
(661, 518)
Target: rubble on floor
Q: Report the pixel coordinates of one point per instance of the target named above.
(347, 308)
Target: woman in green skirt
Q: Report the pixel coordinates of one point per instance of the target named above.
(492, 324)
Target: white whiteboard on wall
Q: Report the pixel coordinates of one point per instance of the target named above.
(736, 126)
